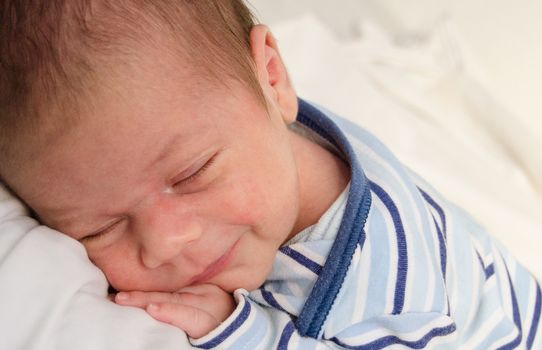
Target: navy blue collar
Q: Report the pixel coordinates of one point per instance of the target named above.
(318, 304)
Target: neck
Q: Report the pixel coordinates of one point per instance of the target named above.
(322, 178)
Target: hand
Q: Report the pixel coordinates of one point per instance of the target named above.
(197, 310)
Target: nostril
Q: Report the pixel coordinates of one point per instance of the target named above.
(191, 232)
(189, 241)
(148, 260)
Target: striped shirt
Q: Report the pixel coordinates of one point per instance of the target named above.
(391, 265)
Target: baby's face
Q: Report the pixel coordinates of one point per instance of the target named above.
(169, 185)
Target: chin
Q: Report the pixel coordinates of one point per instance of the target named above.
(241, 279)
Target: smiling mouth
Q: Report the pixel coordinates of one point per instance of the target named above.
(215, 267)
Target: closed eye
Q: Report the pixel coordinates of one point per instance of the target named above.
(100, 233)
(197, 173)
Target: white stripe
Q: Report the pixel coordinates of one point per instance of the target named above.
(380, 332)
(245, 326)
(392, 251)
(476, 297)
(504, 340)
(312, 255)
(300, 270)
(488, 259)
(270, 336)
(296, 288)
(452, 279)
(528, 320)
(431, 279)
(294, 342)
(489, 288)
(537, 343)
(483, 332)
(284, 301)
(321, 346)
(504, 284)
(362, 285)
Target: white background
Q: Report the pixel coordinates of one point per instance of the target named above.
(504, 36)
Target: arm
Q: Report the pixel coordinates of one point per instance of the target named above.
(253, 326)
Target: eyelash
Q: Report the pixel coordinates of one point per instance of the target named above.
(101, 233)
(197, 174)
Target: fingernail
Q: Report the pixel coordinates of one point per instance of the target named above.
(122, 296)
(153, 307)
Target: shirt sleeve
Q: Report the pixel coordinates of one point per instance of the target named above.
(253, 326)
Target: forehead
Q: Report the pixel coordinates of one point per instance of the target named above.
(128, 134)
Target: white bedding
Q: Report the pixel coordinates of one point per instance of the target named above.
(419, 100)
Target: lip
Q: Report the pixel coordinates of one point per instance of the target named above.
(216, 267)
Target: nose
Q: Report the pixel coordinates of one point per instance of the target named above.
(163, 233)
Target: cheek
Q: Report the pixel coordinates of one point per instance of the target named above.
(264, 203)
(244, 201)
(120, 266)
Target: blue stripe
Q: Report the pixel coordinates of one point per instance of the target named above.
(327, 286)
(515, 310)
(480, 259)
(442, 248)
(285, 336)
(488, 270)
(402, 262)
(536, 319)
(270, 299)
(442, 233)
(438, 208)
(243, 315)
(302, 259)
(394, 340)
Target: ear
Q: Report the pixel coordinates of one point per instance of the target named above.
(272, 73)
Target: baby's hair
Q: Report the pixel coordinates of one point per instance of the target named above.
(51, 50)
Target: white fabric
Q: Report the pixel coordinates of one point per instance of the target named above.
(53, 298)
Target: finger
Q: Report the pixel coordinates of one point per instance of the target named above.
(216, 301)
(195, 322)
(142, 299)
(220, 307)
(200, 289)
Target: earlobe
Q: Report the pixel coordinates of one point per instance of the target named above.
(272, 73)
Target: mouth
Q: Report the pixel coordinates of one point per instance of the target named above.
(215, 267)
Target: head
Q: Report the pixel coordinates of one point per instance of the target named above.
(153, 132)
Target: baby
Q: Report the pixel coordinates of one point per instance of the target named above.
(166, 137)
